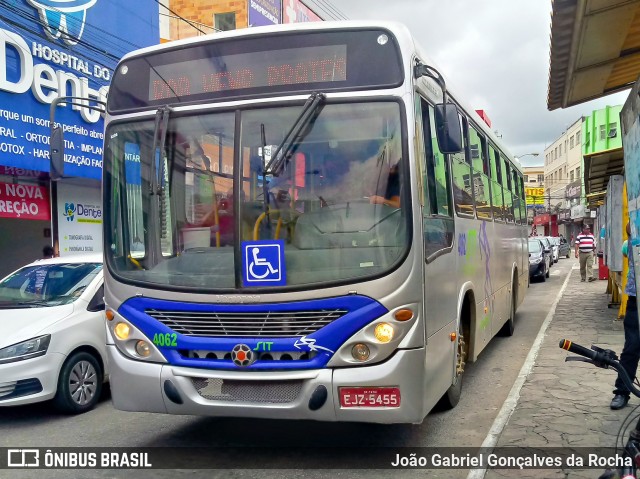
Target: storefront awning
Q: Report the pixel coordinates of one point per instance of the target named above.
(595, 49)
(598, 167)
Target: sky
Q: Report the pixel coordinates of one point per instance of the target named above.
(495, 56)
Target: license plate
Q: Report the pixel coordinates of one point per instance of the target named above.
(370, 397)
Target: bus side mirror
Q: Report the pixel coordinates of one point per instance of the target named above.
(448, 129)
(56, 154)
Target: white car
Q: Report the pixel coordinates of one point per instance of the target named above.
(555, 248)
(52, 333)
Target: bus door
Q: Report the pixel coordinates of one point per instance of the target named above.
(440, 286)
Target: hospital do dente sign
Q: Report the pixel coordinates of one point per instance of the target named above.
(56, 48)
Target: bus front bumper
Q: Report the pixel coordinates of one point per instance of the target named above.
(312, 395)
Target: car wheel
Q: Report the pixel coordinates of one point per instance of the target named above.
(568, 255)
(79, 384)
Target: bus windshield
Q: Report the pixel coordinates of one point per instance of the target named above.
(178, 215)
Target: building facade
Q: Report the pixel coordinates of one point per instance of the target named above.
(562, 165)
(46, 52)
(534, 190)
(189, 18)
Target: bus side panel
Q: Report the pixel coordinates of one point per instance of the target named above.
(439, 364)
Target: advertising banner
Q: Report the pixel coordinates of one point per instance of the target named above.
(534, 196)
(295, 11)
(79, 219)
(27, 202)
(54, 48)
(264, 12)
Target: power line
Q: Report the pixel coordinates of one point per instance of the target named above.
(328, 8)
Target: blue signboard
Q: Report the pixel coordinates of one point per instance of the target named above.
(263, 263)
(53, 48)
(264, 12)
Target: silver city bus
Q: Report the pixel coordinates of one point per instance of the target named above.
(301, 222)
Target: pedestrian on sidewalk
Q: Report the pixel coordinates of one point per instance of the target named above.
(585, 246)
(631, 350)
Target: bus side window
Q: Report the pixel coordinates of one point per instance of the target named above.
(480, 174)
(497, 201)
(437, 218)
(517, 195)
(523, 203)
(461, 168)
(507, 189)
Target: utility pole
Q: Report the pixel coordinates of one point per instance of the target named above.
(549, 198)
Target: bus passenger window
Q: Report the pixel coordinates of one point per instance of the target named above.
(506, 189)
(437, 218)
(497, 202)
(462, 185)
(480, 177)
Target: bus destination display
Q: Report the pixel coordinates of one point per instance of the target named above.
(291, 66)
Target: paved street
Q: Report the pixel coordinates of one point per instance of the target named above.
(487, 385)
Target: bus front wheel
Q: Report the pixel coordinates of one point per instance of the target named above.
(451, 398)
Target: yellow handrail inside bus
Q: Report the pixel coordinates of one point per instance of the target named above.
(263, 215)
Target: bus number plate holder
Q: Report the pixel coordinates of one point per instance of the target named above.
(354, 397)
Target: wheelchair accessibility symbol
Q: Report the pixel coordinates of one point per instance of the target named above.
(263, 263)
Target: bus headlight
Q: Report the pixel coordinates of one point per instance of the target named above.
(143, 349)
(360, 352)
(122, 331)
(379, 339)
(383, 332)
(132, 342)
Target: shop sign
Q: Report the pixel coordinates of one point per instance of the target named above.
(541, 219)
(264, 12)
(573, 190)
(79, 219)
(577, 211)
(534, 196)
(27, 202)
(297, 12)
(50, 53)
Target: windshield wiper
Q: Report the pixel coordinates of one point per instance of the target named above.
(296, 133)
(158, 184)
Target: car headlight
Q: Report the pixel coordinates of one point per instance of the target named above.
(31, 348)
(537, 260)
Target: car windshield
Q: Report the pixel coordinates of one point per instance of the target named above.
(46, 284)
(534, 247)
(554, 241)
(183, 217)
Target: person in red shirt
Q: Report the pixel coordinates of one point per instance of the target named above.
(585, 246)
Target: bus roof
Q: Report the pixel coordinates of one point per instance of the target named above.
(403, 35)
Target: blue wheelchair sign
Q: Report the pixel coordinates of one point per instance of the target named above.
(263, 263)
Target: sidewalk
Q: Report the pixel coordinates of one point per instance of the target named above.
(567, 404)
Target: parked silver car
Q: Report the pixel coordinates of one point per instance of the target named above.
(539, 259)
(549, 242)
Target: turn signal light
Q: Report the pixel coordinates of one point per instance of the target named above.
(109, 314)
(403, 315)
(122, 331)
(383, 332)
